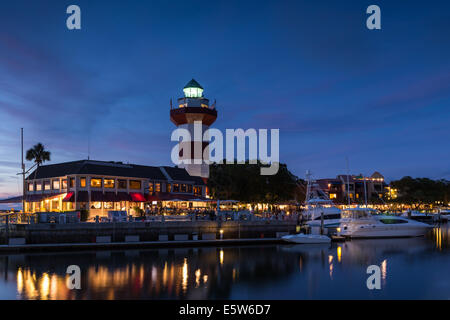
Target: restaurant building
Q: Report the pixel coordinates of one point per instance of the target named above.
(100, 186)
(342, 187)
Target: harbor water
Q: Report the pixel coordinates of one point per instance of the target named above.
(412, 268)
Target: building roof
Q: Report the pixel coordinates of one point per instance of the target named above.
(193, 84)
(182, 175)
(111, 168)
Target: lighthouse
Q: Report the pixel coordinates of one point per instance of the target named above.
(190, 109)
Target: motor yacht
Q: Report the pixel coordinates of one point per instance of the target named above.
(306, 238)
(331, 214)
(417, 215)
(363, 223)
(444, 214)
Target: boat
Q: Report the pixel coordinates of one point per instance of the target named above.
(363, 223)
(306, 238)
(318, 204)
(417, 215)
(444, 214)
(331, 214)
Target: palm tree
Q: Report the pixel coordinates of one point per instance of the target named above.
(38, 154)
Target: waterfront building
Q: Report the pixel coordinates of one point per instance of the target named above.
(193, 107)
(338, 191)
(100, 186)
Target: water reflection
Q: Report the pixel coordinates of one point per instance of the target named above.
(258, 272)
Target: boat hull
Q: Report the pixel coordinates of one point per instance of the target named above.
(385, 232)
(306, 239)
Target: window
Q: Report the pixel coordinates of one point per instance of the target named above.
(72, 182)
(96, 183)
(392, 221)
(38, 186)
(135, 184)
(122, 184)
(158, 187)
(183, 188)
(108, 205)
(169, 187)
(333, 195)
(329, 217)
(30, 186)
(189, 190)
(150, 187)
(64, 184)
(198, 190)
(47, 185)
(109, 183)
(176, 187)
(83, 182)
(55, 185)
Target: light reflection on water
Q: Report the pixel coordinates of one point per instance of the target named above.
(410, 268)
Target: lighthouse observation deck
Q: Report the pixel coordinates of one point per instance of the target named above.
(193, 107)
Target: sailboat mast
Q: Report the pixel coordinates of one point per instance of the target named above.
(23, 174)
(348, 183)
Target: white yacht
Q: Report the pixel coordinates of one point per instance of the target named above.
(362, 223)
(306, 238)
(317, 204)
(445, 214)
(331, 214)
(417, 215)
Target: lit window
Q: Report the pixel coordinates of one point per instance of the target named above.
(83, 182)
(122, 184)
(150, 187)
(72, 182)
(333, 195)
(109, 183)
(189, 188)
(47, 185)
(64, 184)
(193, 92)
(30, 187)
(135, 184)
(158, 187)
(38, 186)
(96, 183)
(183, 188)
(169, 187)
(55, 185)
(176, 187)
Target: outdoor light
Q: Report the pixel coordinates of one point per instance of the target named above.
(221, 234)
(193, 90)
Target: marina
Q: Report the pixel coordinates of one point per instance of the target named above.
(265, 271)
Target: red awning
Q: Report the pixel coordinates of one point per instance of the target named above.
(69, 197)
(40, 197)
(137, 197)
(110, 197)
(82, 196)
(123, 196)
(96, 196)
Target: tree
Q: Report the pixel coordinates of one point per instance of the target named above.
(417, 191)
(38, 154)
(244, 182)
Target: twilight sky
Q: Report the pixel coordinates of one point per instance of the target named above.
(310, 68)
